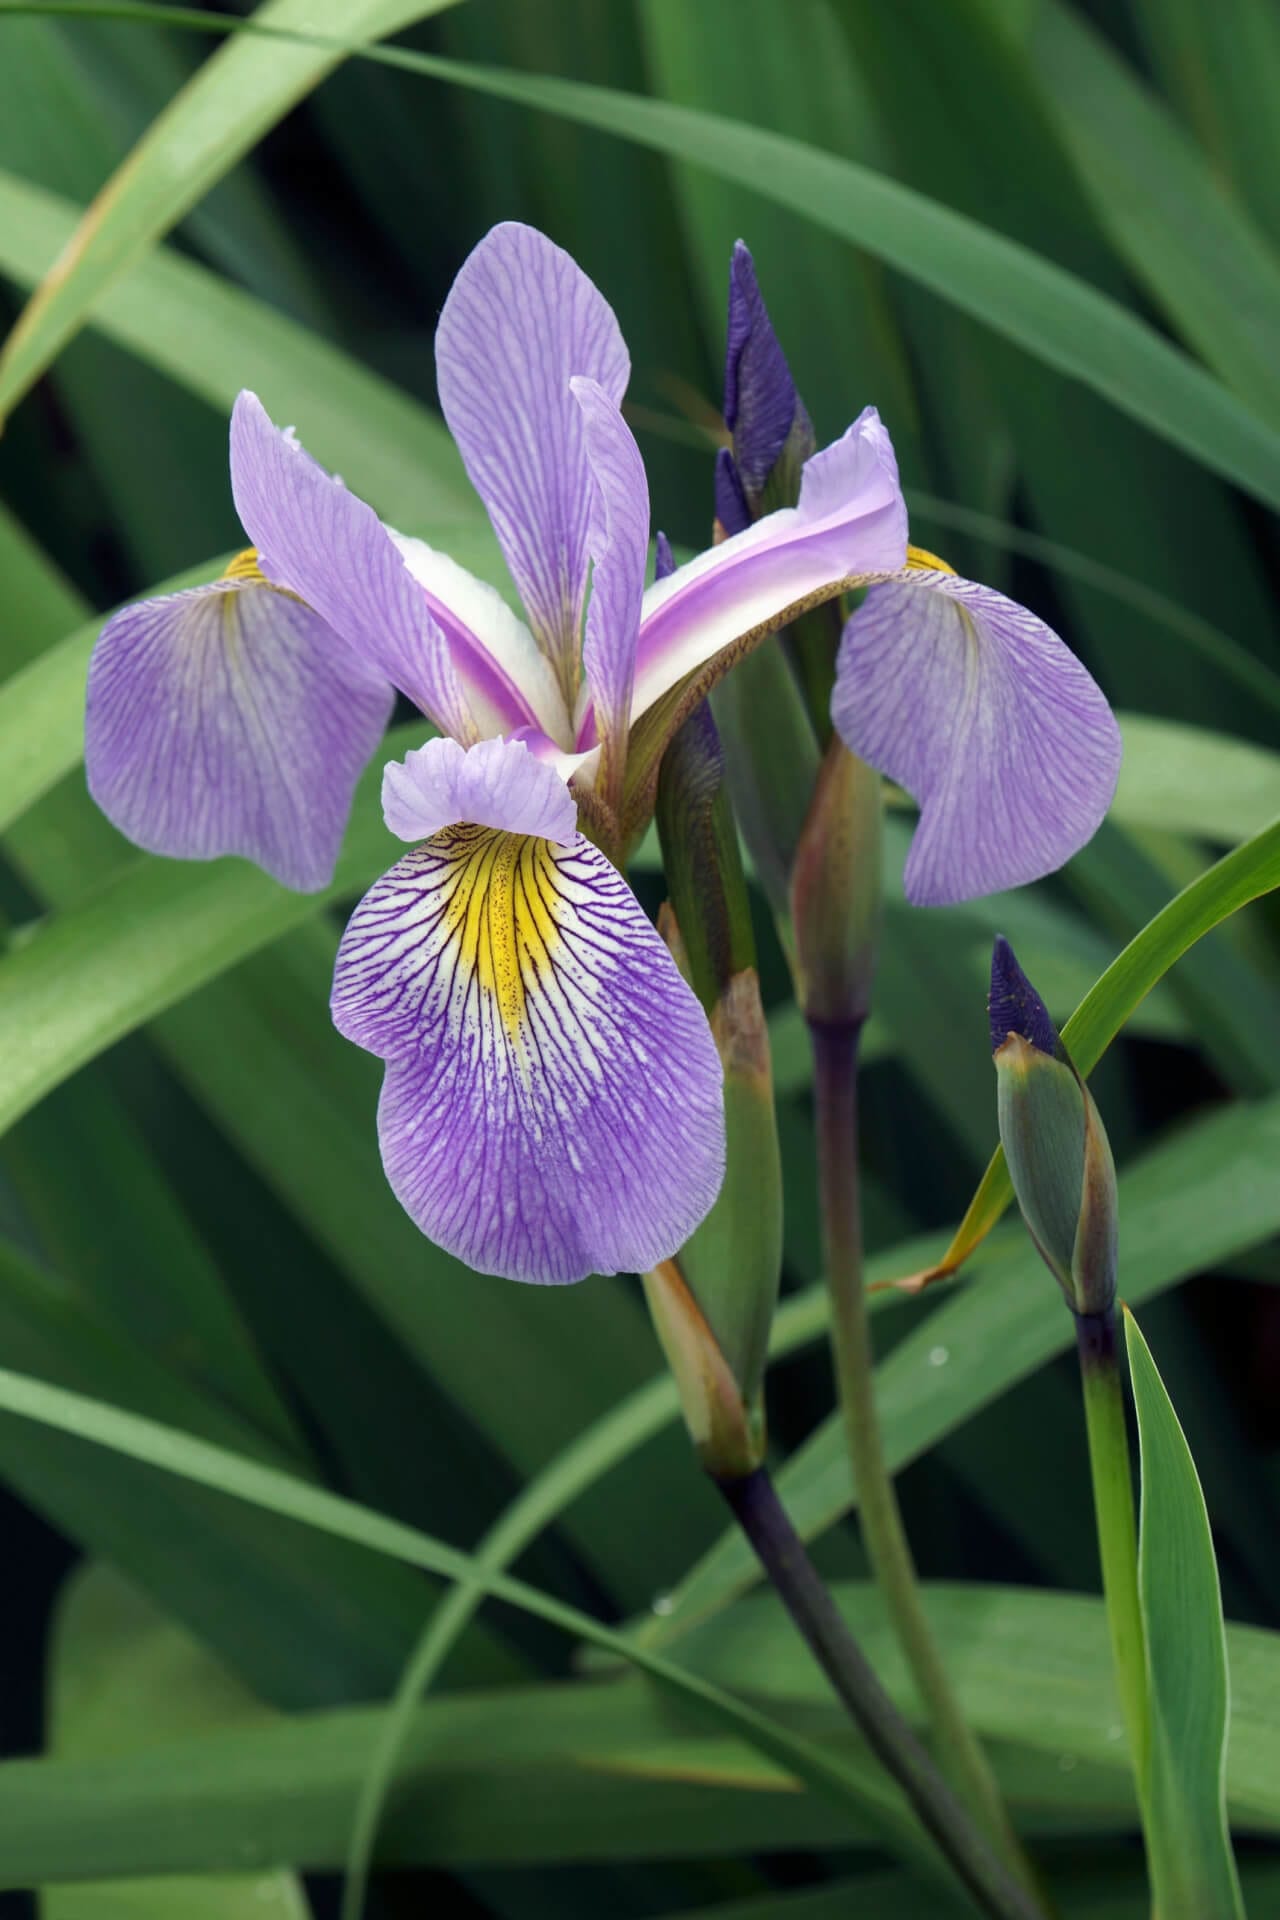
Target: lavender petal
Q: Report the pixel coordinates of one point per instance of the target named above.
(231, 719)
(520, 321)
(850, 522)
(619, 547)
(319, 541)
(552, 1105)
(496, 783)
(977, 708)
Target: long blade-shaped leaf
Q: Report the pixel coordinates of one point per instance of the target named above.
(1193, 1871)
(177, 1453)
(237, 96)
(1015, 291)
(213, 338)
(1020, 294)
(1154, 192)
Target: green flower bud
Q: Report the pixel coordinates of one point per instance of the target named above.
(730, 1268)
(835, 892)
(1054, 1141)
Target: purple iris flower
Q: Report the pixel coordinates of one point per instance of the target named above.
(552, 1101)
(954, 691)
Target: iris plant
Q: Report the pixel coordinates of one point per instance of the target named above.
(552, 1099)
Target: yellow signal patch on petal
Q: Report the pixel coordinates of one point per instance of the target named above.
(244, 568)
(498, 913)
(926, 561)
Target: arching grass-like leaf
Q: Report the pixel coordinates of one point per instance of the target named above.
(1193, 1870)
(1017, 292)
(240, 93)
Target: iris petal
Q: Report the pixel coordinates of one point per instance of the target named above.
(552, 1105)
(496, 783)
(322, 543)
(850, 521)
(231, 719)
(977, 708)
(619, 545)
(508, 683)
(521, 320)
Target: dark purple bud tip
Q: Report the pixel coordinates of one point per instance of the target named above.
(664, 561)
(732, 510)
(760, 400)
(1016, 1007)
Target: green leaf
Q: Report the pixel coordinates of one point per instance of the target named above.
(1016, 292)
(240, 93)
(1156, 196)
(1232, 1008)
(1217, 64)
(40, 602)
(123, 1677)
(144, 1268)
(302, 1619)
(1032, 1669)
(577, 1773)
(620, 1771)
(1235, 880)
(212, 338)
(1193, 1871)
(1010, 288)
(217, 1468)
(1185, 1205)
(1182, 779)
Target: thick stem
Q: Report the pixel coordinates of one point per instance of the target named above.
(760, 1514)
(1109, 1464)
(835, 1053)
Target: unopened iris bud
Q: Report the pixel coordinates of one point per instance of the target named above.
(1054, 1141)
(771, 431)
(731, 1266)
(835, 893)
(774, 707)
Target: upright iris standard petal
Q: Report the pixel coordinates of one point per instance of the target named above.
(978, 709)
(850, 521)
(496, 783)
(552, 1105)
(521, 320)
(231, 719)
(322, 543)
(619, 547)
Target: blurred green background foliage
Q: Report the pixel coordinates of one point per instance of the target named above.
(195, 1223)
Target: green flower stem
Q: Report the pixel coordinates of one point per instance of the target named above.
(1109, 1464)
(835, 1053)
(763, 1519)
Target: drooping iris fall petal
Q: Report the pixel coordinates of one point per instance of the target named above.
(317, 539)
(521, 320)
(977, 708)
(231, 719)
(553, 1104)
